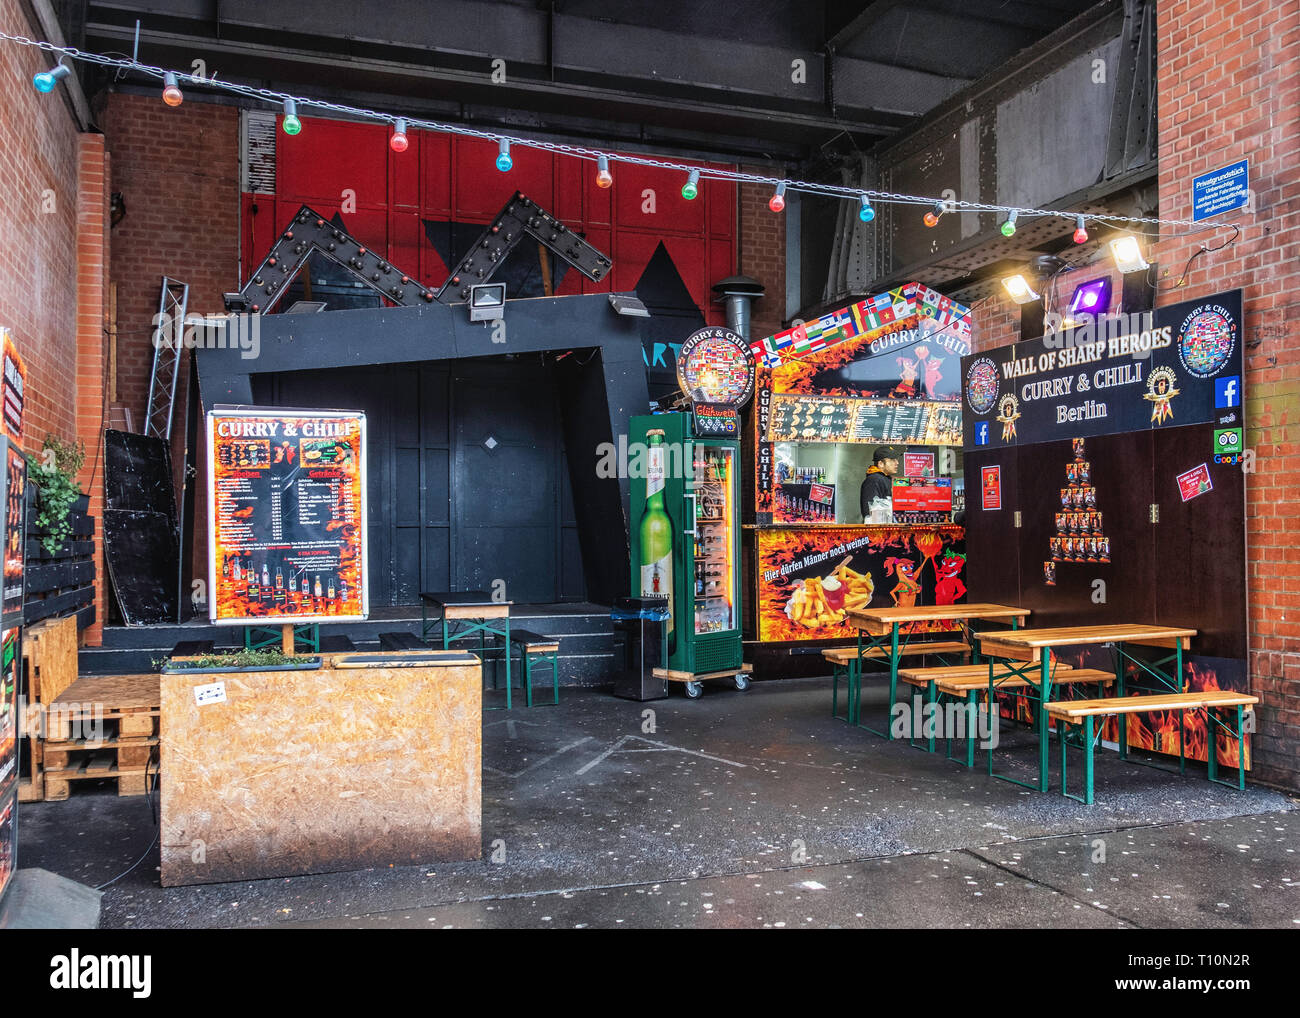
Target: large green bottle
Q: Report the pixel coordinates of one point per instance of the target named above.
(656, 530)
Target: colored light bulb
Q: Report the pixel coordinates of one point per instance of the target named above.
(399, 142)
(44, 81)
(692, 186)
(604, 178)
(504, 162)
(291, 124)
(931, 218)
(1009, 227)
(171, 92)
(865, 212)
(777, 202)
(1080, 231)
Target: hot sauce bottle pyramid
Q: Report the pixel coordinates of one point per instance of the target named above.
(1079, 536)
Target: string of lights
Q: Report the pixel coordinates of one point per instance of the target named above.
(291, 124)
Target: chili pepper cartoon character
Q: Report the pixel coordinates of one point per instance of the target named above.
(904, 593)
(950, 586)
(907, 385)
(933, 376)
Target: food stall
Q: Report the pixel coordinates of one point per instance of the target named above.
(870, 389)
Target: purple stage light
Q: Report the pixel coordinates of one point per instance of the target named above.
(1091, 298)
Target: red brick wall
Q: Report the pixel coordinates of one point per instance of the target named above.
(762, 254)
(92, 348)
(38, 256)
(1229, 81)
(52, 257)
(178, 172)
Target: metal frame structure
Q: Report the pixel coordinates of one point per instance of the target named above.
(173, 303)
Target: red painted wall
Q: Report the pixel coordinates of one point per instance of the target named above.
(442, 177)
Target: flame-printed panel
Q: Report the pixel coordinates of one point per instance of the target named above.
(288, 516)
(1159, 731)
(809, 579)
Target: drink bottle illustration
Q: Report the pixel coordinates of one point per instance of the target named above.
(279, 579)
(266, 576)
(318, 587)
(656, 530)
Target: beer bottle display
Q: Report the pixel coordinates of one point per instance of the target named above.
(656, 529)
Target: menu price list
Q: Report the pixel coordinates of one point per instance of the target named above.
(288, 540)
(914, 422)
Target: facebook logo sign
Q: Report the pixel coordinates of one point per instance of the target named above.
(1227, 392)
(982, 433)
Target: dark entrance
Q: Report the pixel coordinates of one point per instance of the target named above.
(469, 488)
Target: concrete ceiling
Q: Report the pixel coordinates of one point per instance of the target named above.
(780, 80)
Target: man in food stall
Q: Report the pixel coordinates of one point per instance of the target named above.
(878, 486)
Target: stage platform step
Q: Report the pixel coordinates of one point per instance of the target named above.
(585, 631)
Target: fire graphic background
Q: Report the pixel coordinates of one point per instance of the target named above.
(922, 555)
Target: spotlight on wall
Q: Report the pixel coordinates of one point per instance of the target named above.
(487, 302)
(1019, 288)
(1127, 254)
(629, 306)
(1091, 298)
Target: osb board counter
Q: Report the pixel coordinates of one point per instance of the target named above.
(323, 770)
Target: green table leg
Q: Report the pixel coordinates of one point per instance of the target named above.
(1212, 757)
(1241, 748)
(893, 676)
(1121, 722)
(972, 700)
(1087, 762)
(1044, 695)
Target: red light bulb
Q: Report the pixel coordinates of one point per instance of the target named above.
(398, 141)
(1080, 231)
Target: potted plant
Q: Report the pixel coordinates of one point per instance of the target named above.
(53, 471)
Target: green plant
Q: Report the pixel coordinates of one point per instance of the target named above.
(54, 472)
(248, 659)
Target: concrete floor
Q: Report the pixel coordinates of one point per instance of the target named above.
(750, 810)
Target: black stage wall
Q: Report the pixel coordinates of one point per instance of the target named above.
(482, 455)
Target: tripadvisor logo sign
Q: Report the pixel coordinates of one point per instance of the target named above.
(77, 971)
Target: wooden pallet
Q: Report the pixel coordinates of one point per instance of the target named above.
(77, 748)
(96, 766)
(50, 653)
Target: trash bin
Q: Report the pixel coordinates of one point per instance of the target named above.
(642, 624)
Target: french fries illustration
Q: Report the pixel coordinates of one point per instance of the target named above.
(824, 600)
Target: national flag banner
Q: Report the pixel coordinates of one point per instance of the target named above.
(765, 353)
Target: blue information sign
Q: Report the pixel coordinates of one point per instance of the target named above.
(1220, 191)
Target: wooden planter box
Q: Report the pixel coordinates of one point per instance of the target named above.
(284, 771)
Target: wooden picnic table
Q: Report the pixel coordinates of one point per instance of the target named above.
(1033, 648)
(883, 627)
(474, 611)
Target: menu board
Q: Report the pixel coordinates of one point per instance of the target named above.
(923, 495)
(906, 422)
(287, 540)
(13, 381)
(15, 531)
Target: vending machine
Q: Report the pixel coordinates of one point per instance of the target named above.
(13, 534)
(686, 539)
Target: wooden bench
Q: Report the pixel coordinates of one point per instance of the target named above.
(841, 658)
(401, 641)
(969, 682)
(1082, 712)
(535, 648)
